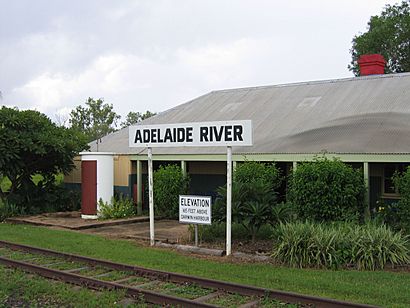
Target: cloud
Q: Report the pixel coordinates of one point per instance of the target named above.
(153, 55)
(105, 76)
(221, 63)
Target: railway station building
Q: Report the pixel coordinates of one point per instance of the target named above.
(364, 121)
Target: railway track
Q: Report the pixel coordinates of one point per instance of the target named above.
(156, 287)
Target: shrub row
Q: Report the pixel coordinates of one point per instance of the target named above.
(367, 247)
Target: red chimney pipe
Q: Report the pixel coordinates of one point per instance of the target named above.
(371, 64)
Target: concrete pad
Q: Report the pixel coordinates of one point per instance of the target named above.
(170, 231)
(72, 220)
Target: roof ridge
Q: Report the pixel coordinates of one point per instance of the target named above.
(315, 82)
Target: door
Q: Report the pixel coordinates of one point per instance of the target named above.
(89, 187)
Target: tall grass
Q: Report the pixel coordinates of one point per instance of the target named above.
(8, 209)
(367, 247)
(372, 247)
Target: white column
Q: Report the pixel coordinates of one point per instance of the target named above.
(295, 166)
(105, 177)
(228, 199)
(367, 192)
(151, 198)
(183, 167)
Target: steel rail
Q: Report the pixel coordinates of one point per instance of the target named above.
(289, 297)
(148, 296)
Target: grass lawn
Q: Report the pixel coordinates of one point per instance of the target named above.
(17, 289)
(385, 289)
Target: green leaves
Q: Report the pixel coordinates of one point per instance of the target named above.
(136, 117)
(366, 247)
(389, 35)
(31, 144)
(95, 120)
(397, 215)
(120, 207)
(327, 190)
(98, 119)
(253, 196)
(169, 183)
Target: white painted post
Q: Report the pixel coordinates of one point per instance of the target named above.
(228, 199)
(295, 166)
(183, 167)
(151, 197)
(367, 192)
(196, 235)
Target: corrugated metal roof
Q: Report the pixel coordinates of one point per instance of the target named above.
(354, 115)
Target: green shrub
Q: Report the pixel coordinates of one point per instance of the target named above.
(169, 183)
(46, 197)
(397, 215)
(217, 232)
(253, 197)
(365, 247)
(327, 190)
(120, 207)
(372, 247)
(252, 171)
(307, 244)
(8, 209)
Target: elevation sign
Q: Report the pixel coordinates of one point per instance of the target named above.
(220, 133)
(195, 209)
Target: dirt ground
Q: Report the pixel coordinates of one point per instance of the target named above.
(169, 231)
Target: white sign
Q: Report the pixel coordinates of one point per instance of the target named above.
(195, 210)
(220, 133)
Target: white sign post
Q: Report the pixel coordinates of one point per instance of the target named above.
(228, 200)
(151, 197)
(196, 134)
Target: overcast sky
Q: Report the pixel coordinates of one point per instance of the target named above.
(153, 55)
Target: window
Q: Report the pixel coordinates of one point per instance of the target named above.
(389, 171)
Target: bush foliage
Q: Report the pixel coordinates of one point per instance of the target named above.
(254, 191)
(169, 183)
(397, 215)
(252, 171)
(120, 207)
(365, 247)
(32, 145)
(8, 209)
(327, 190)
(216, 232)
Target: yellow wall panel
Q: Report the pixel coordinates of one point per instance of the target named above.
(122, 170)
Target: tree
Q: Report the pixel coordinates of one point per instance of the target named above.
(136, 117)
(31, 144)
(95, 120)
(389, 35)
